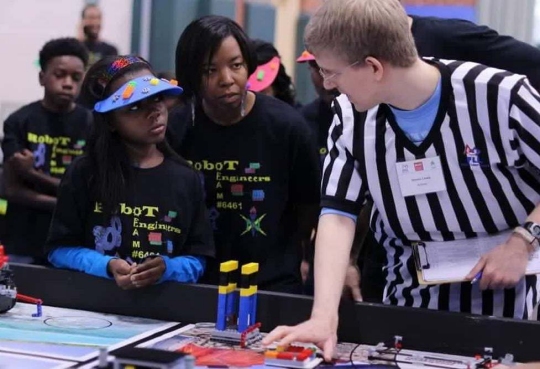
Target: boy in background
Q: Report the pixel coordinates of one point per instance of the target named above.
(40, 140)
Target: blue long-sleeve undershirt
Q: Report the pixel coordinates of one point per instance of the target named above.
(187, 269)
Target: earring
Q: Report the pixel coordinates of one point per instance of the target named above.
(243, 106)
(192, 111)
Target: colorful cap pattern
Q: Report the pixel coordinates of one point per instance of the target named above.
(265, 75)
(136, 90)
(118, 65)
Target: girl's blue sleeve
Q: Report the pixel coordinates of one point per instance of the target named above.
(187, 269)
(82, 259)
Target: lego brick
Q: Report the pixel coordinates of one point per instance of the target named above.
(250, 268)
(243, 314)
(231, 287)
(221, 319)
(228, 266)
(254, 307)
(248, 291)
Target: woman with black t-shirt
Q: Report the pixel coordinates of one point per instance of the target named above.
(260, 168)
(130, 209)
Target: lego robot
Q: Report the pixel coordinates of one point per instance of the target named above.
(8, 291)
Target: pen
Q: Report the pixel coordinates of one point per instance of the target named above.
(476, 277)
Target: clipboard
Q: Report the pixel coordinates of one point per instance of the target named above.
(472, 248)
(421, 261)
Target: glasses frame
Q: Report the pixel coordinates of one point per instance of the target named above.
(326, 78)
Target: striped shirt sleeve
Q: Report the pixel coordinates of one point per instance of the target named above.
(342, 187)
(525, 120)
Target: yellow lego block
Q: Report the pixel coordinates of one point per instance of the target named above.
(231, 287)
(250, 268)
(271, 354)
(228, 266)
(248, 291)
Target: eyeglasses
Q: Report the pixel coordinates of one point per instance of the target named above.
(327, 77)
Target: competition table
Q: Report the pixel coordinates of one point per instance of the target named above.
(421, 329)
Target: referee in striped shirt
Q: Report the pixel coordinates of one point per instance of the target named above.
(477, 128)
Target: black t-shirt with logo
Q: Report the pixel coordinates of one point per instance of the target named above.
(163, 214)
(256, 173)
(55, 139)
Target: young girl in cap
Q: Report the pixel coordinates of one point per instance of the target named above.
(130, 209)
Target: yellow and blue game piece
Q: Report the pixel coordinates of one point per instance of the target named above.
(248, 296)
(226, 294)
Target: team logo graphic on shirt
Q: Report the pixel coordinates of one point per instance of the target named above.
(170, 216)
(257, 195)
(253, 223)
(473, 156)
(237, 189)
(61, 149)
(154, 238)
(252, 169)
(107, 238)
(39, 155)
(151, 230)
(79, 144)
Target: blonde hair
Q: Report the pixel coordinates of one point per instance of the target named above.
(356, 29)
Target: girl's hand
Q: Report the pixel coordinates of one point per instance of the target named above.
(148, 272)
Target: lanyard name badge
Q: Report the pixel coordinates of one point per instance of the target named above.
(422, 176)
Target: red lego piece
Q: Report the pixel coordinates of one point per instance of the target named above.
(29, 299)
(286, 355)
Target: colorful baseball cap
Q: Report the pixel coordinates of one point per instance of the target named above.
(305, 57)
(136, 90)
(265, 75)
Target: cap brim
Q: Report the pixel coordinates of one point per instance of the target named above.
(305, 57)
(265, 75)
(136, 90)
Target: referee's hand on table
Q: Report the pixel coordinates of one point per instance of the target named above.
(504, 266)
(320, 330)
(148, 272)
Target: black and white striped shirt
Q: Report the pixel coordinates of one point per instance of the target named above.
(494, 112)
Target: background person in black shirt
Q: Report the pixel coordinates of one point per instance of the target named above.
(40, 141)
(260, 168)
(460, 39)
(91, 18)
(319, 116)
